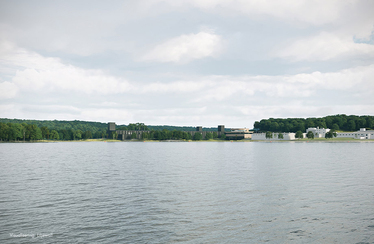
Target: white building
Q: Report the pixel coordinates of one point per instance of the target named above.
(318, 133)
(361, 134)
(262, 136)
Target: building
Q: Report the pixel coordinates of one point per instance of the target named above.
(318, 132)
(275, 136)
(361, 134)
(238, 134)
(127, 134)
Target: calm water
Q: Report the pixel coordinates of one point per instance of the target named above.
(191, 192)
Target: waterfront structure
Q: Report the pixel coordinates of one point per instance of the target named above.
(244, 133)
(361, 134)
(318, 132)
(239, 133)
(126, 134)
(275, 136)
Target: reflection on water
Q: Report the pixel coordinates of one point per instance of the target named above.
(197, 192)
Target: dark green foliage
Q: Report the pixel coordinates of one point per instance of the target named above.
(54, 135)
(299, 135)
(335, 126)
(208, 136)
(330, 134)
(45, 132)
(310, 135)
(268, 135)
(336, 122)
(87, 135)
(136, 126)
(179, 128)
(280, 136)
(197, 136)
(113, 135)
(65, 129)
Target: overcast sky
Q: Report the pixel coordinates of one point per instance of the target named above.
(186, 62)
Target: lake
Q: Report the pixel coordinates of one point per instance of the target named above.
(186, 192)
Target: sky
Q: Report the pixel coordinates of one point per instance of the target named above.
(186, 62)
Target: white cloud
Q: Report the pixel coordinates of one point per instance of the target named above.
(325, 46)
(33, 72)
(8, 90)
(185, 48)
(69, 78)
(36, 73)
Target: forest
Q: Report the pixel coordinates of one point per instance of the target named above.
(31, 130)
(340, 122)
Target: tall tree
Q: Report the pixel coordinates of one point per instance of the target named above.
(299, 135)
(310, 135)
(54, 135)
(197, 136)
(45, 132)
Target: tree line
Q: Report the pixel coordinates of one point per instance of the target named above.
(31, 132)
(340, 122)
(142, 126)
(172, 135)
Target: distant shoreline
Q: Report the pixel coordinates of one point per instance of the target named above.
(319, 140)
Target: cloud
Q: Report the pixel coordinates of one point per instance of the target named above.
(69, 78)
(33, 72)
(177, 99)
(8, 90)
(323, 47)
(184, 48)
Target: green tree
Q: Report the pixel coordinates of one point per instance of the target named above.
(280, 136)
(78, 134)
(133, 135)
(14, 131)
(310, 135)
(4, 131)
(87, 134)
(45, 132)
(352, 125)
(197, 136)
(223, 137)
(299, 135)
(328, 135)
(113, 135)
(274, 126)
(335, 126)
(208, 136)
(33, 132)
(268, 135)
(301, 126)
(54, 135)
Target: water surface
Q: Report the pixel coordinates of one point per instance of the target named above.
(189, 192)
